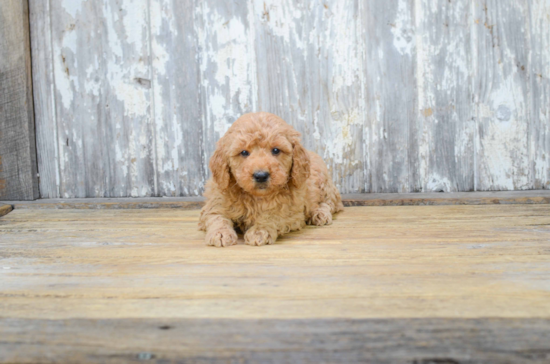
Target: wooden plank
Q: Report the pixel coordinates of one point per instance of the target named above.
(420, 341)
(310, 72)
(5, 209)
(445, 123)
(464, 198)
(502, 88)
(539, 147)
(101, 68)
(391, 102)
(180, 167)
(18, 170)
(371, 199)
(227, 67)
(185, 203)
(373, 262)
(44, 98)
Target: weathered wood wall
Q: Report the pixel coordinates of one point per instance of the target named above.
(18, 168)
(396, 95)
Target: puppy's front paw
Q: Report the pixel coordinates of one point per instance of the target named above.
(321, 217)
(258, 237)
(221, 237)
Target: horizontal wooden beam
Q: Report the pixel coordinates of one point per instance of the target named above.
(368, 199)
(421, 341)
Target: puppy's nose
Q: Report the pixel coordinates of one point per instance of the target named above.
(261, 176)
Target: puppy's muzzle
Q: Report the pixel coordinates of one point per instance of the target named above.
(261, 176)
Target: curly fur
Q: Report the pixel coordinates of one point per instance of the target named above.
(299, 189)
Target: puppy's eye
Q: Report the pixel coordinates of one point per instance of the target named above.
(275, 151)
(245, 153)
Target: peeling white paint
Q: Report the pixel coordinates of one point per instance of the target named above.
(344, 43)
(505, 142)
(281, 17)
(72, 7)
(134, 34)
(177, 147)
(402, 29)
(333, 74)
(227, 66)
(437, 183)
(64, 82)
(65, 63)
(342, 128)
(505, 103)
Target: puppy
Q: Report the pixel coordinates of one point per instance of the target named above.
(265, 183)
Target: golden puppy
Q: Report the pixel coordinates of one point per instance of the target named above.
(265, 183)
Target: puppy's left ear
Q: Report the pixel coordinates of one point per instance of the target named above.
(300, 164)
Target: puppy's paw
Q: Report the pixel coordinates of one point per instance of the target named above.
(221, 237)
(321, 217)
(258, 237)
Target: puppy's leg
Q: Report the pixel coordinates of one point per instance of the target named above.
(219, 228)
(220, 231)
(260, 234)
(324, 200)
(322, 215)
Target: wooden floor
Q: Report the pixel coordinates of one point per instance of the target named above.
(400, 284)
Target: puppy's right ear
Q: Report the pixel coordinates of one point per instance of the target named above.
(220, 167)
(300, 164)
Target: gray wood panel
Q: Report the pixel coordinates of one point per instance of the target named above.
(101, 70)
(445, 123)
(501, 86)
(180, 170)
(396, 96)
(310, 72)
(18, 169)
(539, 148)
(44, 101)
(390, 73)
(111, 88)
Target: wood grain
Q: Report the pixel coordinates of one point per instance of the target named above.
(539, 147)
(502, 90)
(180, 169)
(18, 170)
(390, 73)
(101, 65)
(419, 341)
(44, 89)
(373, 262)
(445, 122)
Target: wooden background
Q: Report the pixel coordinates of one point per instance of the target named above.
(396, 95)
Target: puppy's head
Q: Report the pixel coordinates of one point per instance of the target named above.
(262, 154)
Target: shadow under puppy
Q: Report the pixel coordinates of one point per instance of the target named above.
(265, 183)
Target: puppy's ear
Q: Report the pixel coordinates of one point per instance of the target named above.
(300, 164)
(220, 166)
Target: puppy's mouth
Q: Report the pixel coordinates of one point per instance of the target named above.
(261, 186)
